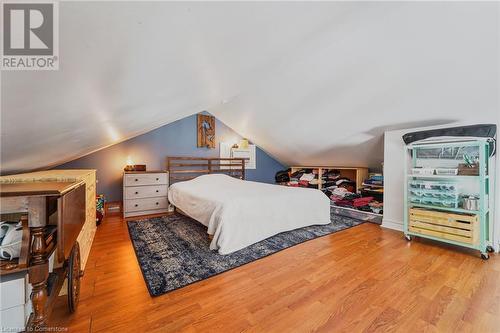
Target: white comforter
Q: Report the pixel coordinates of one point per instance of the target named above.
(239, 213)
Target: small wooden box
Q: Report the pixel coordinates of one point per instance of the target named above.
(462, 228)
(464, 170)
(139, 167)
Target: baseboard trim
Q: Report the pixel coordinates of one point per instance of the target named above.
(391, 224)
(142, 213)
(113, 208)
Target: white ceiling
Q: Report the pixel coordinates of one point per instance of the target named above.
(311, 83)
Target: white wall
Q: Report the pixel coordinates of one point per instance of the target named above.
(394, 159)
(496, 213)
(393, 179)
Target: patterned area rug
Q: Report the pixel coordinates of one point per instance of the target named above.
(173, 251)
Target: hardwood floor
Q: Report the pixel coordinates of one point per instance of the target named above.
(364, 279)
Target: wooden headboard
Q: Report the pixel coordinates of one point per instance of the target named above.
(185, 168)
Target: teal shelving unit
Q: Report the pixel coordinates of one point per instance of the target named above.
(435, 186)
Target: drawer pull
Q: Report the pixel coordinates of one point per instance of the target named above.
(136, 180)
(136, 192)
(157, 203)
(157, 191)
(157, 178)
(136, 205)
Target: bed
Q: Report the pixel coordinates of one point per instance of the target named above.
(238, 213)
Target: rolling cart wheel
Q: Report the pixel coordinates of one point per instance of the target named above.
(74, 275)
(490, 249)
(485, 256)
(408, 238)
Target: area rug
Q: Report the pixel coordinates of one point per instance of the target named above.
(173, 251)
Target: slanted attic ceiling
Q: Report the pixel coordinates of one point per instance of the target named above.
(311, 83)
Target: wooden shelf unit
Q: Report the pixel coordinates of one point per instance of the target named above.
(357, 174)
(436, 221)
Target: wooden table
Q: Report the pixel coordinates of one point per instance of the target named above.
(55, 216)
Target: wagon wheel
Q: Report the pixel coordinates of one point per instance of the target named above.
(74, 278)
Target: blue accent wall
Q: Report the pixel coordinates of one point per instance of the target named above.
(175, 139)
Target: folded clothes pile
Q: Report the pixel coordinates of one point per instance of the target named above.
(341, 190)
(304, 178)
(360, 202)
(343, 198)
(331, 179)
(375, 179)
(341, 193)
(376, 207)
(333, 186)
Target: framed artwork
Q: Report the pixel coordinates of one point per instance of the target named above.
(206, 131)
